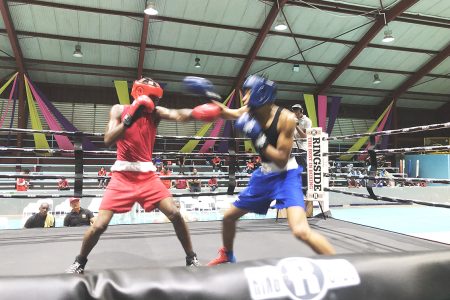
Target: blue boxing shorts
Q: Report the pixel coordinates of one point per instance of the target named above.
(285, 187)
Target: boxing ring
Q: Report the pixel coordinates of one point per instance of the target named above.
(142, 261)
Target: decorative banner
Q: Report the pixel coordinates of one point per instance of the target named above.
(223, 145)
(311, 108)
(334, 110)
(248, 145)
(62, 141)
(122, 91)
(7, 83)
(87, 144)
(377, 138)
(216, 130)
(10, 100)
(40, 141)
(322, 105)
(190, 146)
(385, 140)
(363, 140)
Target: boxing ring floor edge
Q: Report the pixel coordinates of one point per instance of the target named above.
(50, 251)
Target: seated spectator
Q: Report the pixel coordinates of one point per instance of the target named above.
(22, 184)
(78, 216)
(181, 183)
(216, 163)
(63, 184)
(101, 181)
(167, 182)
(158, 163)
(107, 180)
(42, 219)
(257, 161)
(212, 183)
(194, 184)
(250, 167)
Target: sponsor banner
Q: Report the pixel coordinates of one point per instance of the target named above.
(315, 162)
(300, 278)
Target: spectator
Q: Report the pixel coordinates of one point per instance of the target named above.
(158, 163)
(63, 184)
(257, 161)
(23, 184)
(181, 183)
(42, 219)
(107, 180)
(212, 183)
(250, 167)
(102, 181)
(167, 182)
(78, 216)
(194, 184)
(216, 161)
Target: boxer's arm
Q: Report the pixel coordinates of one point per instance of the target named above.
(280, 155)
(179, 115)
(231, 114)
(115, 127)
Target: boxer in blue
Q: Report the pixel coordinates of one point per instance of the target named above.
(271, 129)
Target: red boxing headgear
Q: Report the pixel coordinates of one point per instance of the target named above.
(146, 86)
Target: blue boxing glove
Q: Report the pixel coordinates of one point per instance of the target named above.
(200, 86)
(251, 128)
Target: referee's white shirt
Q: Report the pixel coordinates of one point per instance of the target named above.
(304, 122)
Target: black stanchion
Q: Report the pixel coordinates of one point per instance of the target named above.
(78, 149)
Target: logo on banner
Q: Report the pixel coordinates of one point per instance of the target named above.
(300, 278)
(315, 164)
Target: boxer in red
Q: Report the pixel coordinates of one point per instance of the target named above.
(133, 129)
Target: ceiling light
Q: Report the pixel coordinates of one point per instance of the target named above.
(296, 68)
(376, 79)
(197, 63)
(280, 25)
(77, 52)
(151, 9)
(388, 36)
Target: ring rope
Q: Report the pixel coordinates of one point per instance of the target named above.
(392, 151)
(107, 177)
(391, 132)
(403, 179)
(391, 199)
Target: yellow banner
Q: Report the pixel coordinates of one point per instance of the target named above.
(7, 83)
(40, 142)
(122, 91)
(311, 109)
(363, 140)
(190, 146)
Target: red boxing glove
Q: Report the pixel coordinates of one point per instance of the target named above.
(206, 112)
(134, 112)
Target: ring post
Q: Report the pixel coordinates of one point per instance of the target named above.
(317, 163)
(78, 150)
(231, 167)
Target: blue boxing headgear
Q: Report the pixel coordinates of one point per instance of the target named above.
(262, 91)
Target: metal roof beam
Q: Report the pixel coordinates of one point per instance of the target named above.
(416, 76)
(215, 25)
(276, 7)
(143, 46)
(370, 34)
(12, 36)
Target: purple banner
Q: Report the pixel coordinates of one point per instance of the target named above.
(223, 146)
(334, 110)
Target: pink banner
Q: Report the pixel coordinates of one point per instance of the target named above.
(322, 104)
(215, 132)
(380, 128)
(62, 140)
(10, 100)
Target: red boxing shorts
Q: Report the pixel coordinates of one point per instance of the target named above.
(127, 188)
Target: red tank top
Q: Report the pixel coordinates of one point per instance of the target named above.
(138, 140)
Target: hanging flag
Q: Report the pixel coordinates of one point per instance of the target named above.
(40, 141)
(322, 104)
(311, 108)
(10, 100)
(334, 110)
(122, 91)
(363, 140)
